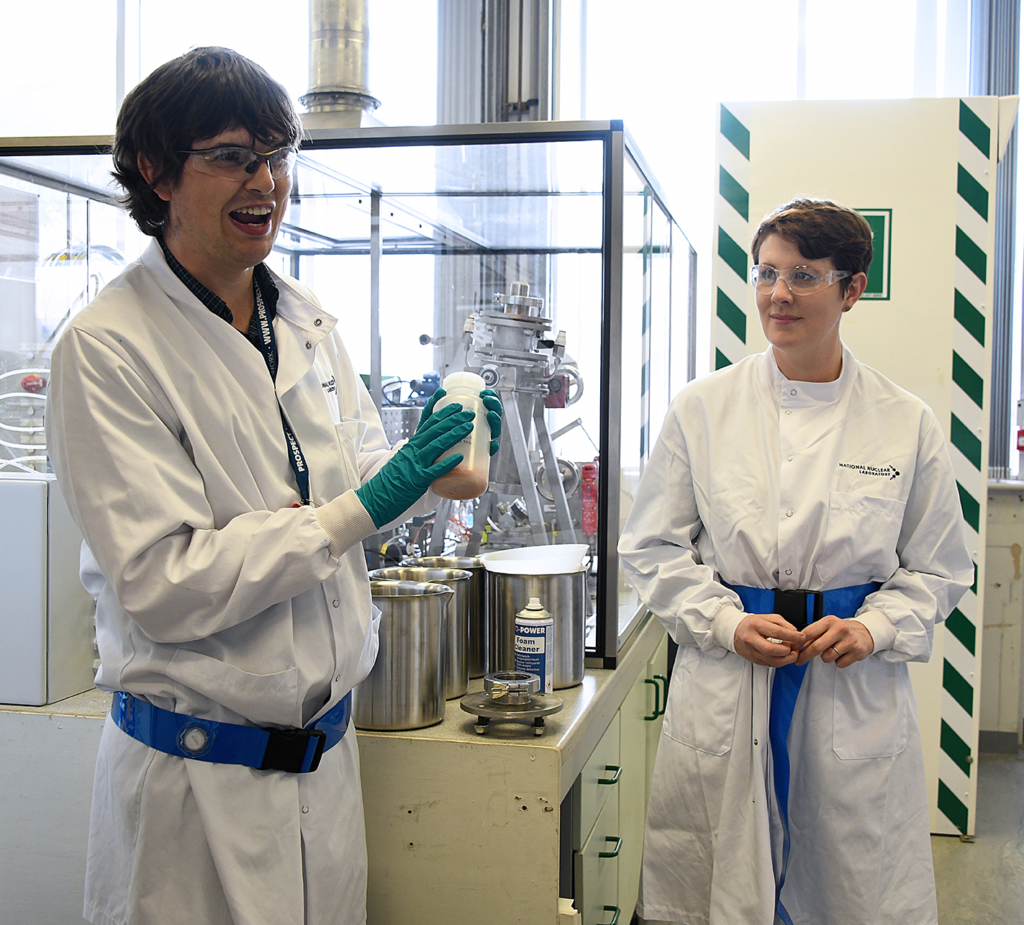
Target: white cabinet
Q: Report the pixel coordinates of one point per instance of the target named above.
(640, 722)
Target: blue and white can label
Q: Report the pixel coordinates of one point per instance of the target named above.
(535, 646)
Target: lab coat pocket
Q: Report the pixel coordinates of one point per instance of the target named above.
(702, 700)
(371, 645)
(260, 698)
(870, 709)
(861, 535)
(350, 437)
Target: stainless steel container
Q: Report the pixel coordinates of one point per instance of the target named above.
(405, 687)
(564, 596)
(479, 638)
(456, 670)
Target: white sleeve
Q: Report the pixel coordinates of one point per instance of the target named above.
(935, 566)
(142, 507)
(659, 553)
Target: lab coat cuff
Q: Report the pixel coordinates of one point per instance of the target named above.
(723, 626)
(345, 521)
(881, 628)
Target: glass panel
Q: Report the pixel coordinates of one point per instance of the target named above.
(62, 238)
(634, 412)
(459, 226)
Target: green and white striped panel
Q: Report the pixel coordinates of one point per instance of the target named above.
(971, 298)
(732, 238)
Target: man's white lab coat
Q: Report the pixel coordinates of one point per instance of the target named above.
(760, 481)
(216, 597)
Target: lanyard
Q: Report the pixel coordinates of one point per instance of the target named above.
(268, 347)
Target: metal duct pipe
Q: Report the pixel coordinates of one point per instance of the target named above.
(339, 39)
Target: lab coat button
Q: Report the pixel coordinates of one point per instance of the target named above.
(337, 679)
(789, 412)
(792, 391)
(318, 322)
(789, 459)
(789, 571)
(309, 345)
(305, 809)
(334, 603)
(789, 513)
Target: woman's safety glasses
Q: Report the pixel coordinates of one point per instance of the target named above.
(799, 280)
(235, 162)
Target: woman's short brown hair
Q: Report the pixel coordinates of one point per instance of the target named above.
(196, 96)
(820, 229)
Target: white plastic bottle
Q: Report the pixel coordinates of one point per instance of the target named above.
(469, 478)
(535, 644)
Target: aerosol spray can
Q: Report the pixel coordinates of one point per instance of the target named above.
(535, 644)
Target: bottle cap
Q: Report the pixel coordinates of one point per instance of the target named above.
(471, 382)
(535, 604)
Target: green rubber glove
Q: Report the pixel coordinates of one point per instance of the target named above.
(494, 412)
(408, 474)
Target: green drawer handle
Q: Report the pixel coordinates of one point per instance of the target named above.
(614, 779)
(614, 853)
(615, 918)
(657, 701)
(664, 699)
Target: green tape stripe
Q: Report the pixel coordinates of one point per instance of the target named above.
(735, 132)
(733, 193)
(956, 748)
(969, 317)
(958, 687)
(972, 256)
(968, 380)
(963, 629)
(732, 315)
(971, 509)
(966, 442)
(975, 129)
(952, 808)
(972, 192)
(721, 360)
(734, 255)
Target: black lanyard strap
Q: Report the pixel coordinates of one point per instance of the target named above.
(268, 347)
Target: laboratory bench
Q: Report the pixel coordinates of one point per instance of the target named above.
(460, 827)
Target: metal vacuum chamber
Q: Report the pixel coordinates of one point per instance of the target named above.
(541, 255)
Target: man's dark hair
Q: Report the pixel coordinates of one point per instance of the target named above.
(204, 92)
(820, 228)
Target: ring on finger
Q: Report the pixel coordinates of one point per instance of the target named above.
(777, 642)
(838, 653)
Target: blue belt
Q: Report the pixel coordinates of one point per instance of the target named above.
(800, 608)
(297, 751)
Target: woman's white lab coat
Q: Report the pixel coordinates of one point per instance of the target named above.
(216, 597)
(763, 482)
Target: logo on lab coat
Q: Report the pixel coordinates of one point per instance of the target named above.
(888, 472)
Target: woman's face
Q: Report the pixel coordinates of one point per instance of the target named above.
(804, 329)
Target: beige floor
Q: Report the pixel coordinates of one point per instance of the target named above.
(982, 883)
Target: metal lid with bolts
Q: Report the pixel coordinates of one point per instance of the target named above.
(510, 695)
(519, 302)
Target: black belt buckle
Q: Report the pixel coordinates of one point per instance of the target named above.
(287, 748)
(792, 606)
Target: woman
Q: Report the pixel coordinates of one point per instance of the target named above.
(790, 780)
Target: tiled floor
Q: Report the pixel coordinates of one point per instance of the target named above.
(982, 883)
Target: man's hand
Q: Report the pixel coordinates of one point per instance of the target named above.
(840, 641)
(768, 639)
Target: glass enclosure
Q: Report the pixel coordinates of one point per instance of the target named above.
(539, 255)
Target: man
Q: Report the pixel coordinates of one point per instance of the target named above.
(224, 463)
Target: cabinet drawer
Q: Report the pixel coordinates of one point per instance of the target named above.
(597, 877)
(598, 779)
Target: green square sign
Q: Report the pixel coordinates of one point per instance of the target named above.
(880, 221)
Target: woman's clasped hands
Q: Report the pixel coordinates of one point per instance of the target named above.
(771, 640)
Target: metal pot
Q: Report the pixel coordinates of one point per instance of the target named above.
(564, 596)
(479, 635)
(405, 687)
(456, 671)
